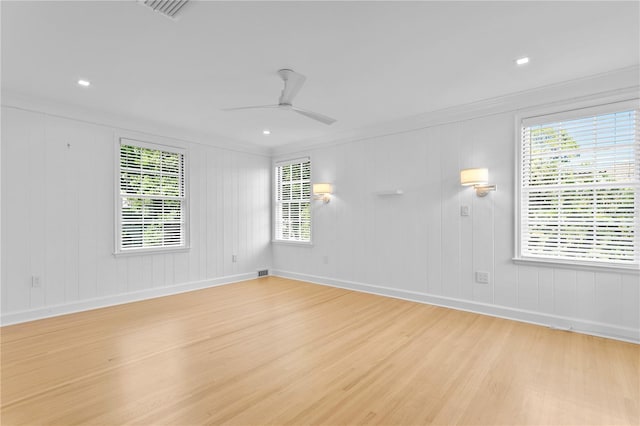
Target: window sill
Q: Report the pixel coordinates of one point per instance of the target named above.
(591, 266)
(293, 243)
(143, 252)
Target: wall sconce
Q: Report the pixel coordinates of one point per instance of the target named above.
(479, 179)
(322, 191)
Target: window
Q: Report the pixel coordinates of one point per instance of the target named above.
(293, 201)
(580, 187)
(151, 197)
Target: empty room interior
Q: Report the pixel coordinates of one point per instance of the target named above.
(320, 212)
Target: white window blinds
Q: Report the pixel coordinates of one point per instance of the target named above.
(152, 197)
(293, 200)
(580, 187)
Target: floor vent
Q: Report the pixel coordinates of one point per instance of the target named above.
(168, 8)
(263, 273)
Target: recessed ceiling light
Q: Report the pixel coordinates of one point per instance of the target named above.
(84, 83)
(522, 61)
(266, 132)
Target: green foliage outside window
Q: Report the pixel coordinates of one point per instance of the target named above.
(293, 206)
(152, 193)
(580, 202)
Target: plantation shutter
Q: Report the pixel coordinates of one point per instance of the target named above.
(580, 186)
(293, 200)
(152, 196)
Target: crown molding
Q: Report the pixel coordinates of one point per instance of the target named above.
(615, 85)
(30, 103)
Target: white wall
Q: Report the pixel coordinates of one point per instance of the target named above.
(58, 219)
(417, 246)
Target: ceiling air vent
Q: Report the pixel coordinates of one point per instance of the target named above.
(168, 8)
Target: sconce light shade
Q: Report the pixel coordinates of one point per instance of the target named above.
(322, 191)
(469, 177)
(479, 179)
(322, 188)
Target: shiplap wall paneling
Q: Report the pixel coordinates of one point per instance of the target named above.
(58, 215)
(501, 149)
(426, 191)
(418, 245)
(466, 197)
(34, 184)
(342, 259)
(630, 314)
(16, 182)
(482, 135)
(448, 147)
(195, 212)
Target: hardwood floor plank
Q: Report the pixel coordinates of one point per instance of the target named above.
(278, 351)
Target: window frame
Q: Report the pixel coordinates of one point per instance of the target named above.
(150, 143)
(274, 200)
(568, 112)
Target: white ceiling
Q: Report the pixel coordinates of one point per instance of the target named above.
(366, 63)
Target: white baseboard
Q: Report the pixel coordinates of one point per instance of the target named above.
(593, 328)
(102, 302)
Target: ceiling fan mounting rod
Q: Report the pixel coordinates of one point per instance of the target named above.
(284, 72)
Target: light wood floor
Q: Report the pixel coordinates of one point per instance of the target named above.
(285, 352)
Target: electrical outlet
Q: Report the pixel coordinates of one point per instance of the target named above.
(464, 210)
(325, 259)
(35, 281)
(482, 277)
(234, 258)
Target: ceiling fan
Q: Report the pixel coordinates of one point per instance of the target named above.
(293, 82)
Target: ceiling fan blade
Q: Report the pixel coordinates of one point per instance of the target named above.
(319, 117)
(250, 107)
(293, 82)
